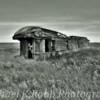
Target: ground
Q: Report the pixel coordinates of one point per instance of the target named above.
(73, 76)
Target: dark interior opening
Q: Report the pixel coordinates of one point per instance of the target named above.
(46, 45)
(30, 48)
(53, 45)
(30, 41)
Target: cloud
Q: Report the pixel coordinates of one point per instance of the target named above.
(67, 25)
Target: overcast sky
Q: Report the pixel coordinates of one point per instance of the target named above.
(71, 17)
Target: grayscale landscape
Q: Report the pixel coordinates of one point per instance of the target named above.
(49, 49)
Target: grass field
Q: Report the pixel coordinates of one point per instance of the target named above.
(73, 76)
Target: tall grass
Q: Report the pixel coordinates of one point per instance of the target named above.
(75, 71)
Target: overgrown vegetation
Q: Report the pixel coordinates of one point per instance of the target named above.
(72, 72)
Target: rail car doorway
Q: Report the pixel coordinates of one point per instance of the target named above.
(30, 49)
(46, 45)
(49, 45)
(53, 45)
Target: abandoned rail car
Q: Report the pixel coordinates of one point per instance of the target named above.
(75, 43)
(37, 42)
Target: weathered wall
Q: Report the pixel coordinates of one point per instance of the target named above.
(37, 45)
(33, 46)
(75, 43)
(24, 48)
(42, 45)
(72, 43)
(60, 45)
(83, 43)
